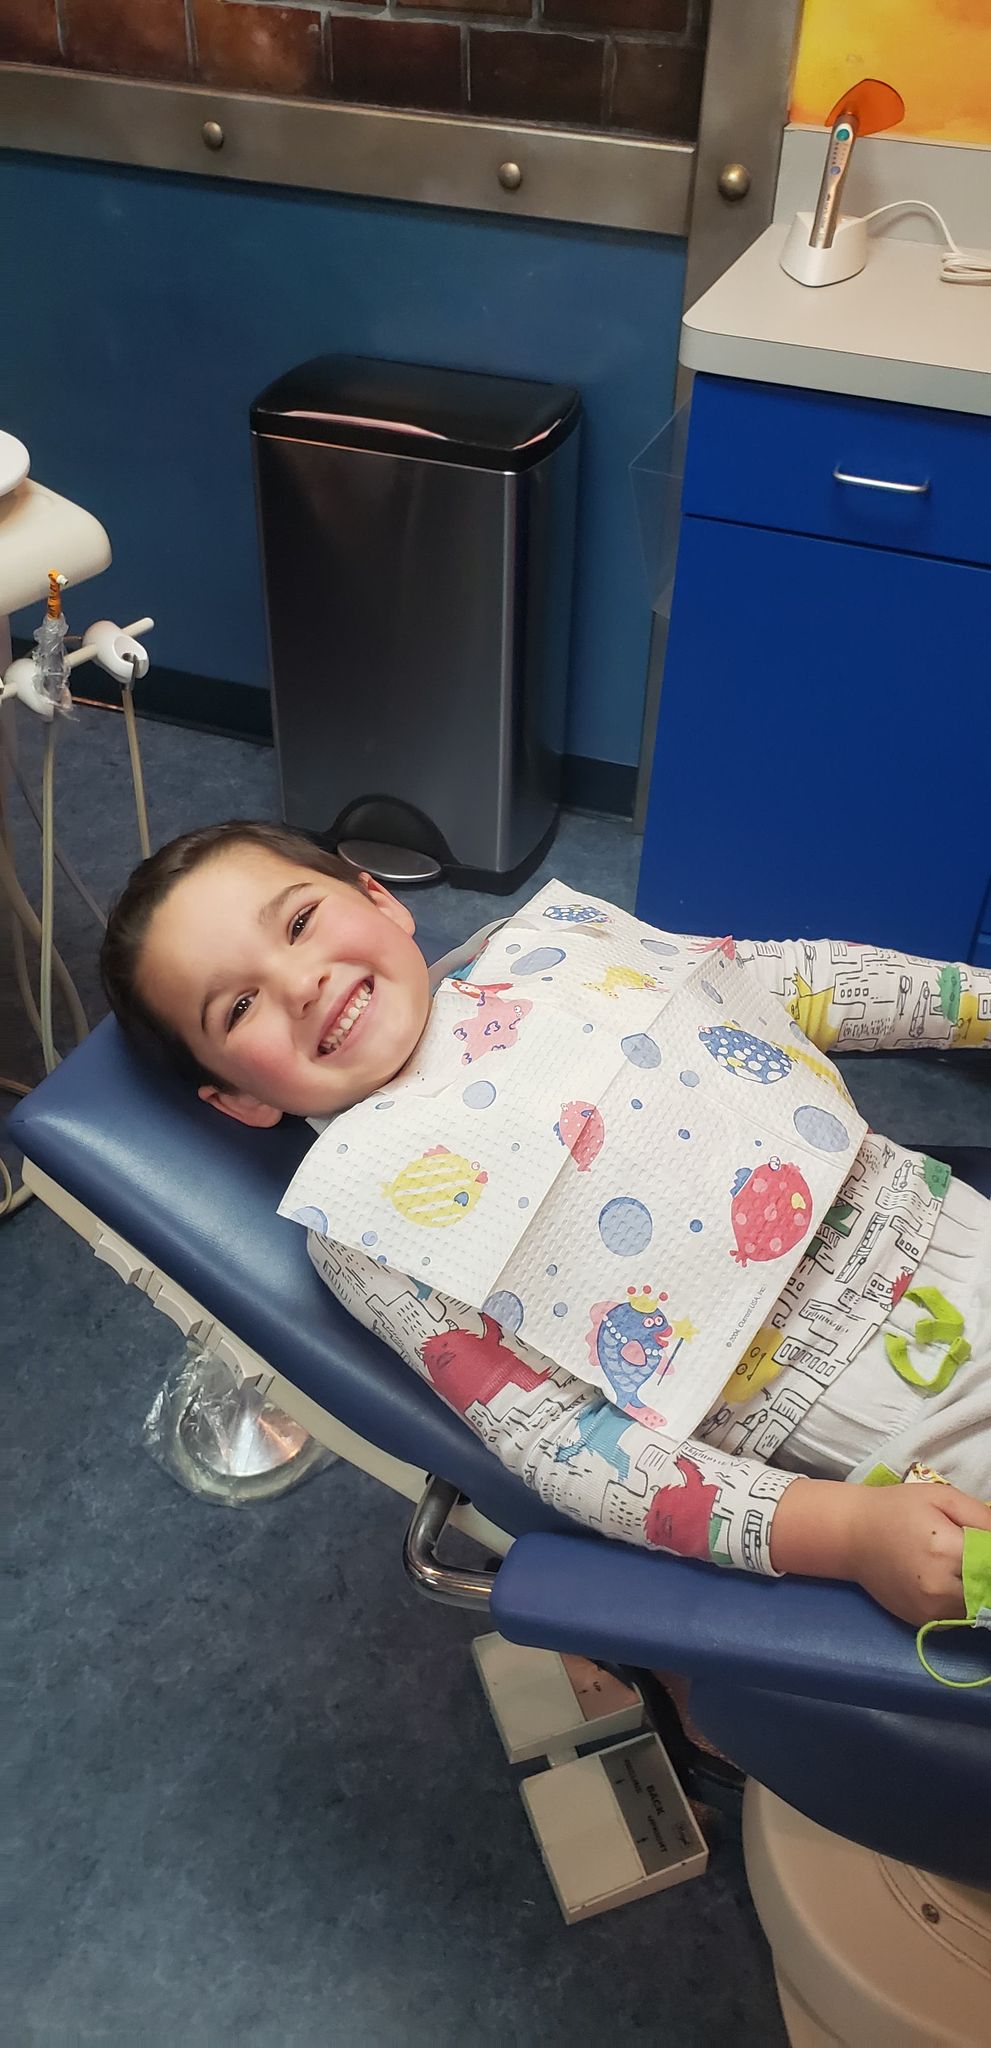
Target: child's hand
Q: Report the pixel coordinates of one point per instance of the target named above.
(907, 1548)
(903, 1544)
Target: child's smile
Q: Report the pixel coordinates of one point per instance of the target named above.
(297, 991)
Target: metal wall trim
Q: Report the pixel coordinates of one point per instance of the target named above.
(749, 60)
(603, 181)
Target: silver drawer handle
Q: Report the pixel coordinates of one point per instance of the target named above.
(878, 483)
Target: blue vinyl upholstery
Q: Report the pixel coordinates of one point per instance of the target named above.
(809, 1686)
(823, 1642)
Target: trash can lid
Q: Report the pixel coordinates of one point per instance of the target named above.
(409, 409)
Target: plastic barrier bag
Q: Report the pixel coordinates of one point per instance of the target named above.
(219, 1436)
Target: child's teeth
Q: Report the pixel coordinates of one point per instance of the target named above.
(350, 1017)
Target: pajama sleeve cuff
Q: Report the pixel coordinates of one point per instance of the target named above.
(747, 1493)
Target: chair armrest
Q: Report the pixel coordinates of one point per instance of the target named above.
(807, 1637)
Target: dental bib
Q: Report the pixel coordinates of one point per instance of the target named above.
(611, 1140)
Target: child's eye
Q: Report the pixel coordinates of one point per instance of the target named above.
(239, 1009)
(300, 922)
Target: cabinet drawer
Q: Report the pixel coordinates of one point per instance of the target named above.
(768, 455)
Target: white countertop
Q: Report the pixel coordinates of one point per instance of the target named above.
(896, 331)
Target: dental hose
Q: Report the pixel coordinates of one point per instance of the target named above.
(11, 1198)
(23, 977)
(71, 874)
(137, 773)
(52, 966)
(24, 913)
(51, 1057)
(23, 917)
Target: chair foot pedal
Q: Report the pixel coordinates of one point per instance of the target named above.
(549, 1706)
(613, 1827)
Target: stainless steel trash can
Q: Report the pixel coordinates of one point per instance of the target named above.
(417, 530)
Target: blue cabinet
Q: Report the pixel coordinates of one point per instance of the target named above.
(823, 756)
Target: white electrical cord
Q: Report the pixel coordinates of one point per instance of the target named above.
(958, 266)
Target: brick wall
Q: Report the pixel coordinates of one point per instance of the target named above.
(629, 66)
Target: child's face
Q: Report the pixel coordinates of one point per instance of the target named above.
(301, 993)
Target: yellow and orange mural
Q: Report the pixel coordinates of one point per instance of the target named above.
(936, 53)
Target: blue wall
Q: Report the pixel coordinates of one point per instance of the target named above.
(130, 370)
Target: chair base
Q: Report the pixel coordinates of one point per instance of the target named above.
(867, 1952)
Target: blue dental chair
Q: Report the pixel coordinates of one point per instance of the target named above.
(813, 1691)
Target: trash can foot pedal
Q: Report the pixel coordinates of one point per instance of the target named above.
(397, 864)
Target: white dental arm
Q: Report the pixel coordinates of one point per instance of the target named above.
(115, 648)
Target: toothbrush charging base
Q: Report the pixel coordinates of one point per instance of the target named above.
(846, 255)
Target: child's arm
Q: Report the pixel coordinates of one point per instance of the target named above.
(616, 1476)
(903, 1544)
(866, 999)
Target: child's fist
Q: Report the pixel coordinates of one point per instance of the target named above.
(908, 1548)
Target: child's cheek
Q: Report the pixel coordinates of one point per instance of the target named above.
(352, 936)
(269, 1060)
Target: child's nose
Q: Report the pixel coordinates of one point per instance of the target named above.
(302, 987)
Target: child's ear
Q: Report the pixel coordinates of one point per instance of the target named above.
(245, 1109)
(389, 905)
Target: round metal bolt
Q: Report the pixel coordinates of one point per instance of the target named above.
(734, 181)
(930, 1913)
(213, 135)
(510, 177)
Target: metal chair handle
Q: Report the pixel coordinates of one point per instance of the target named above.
(880, 483)
(451, 1584)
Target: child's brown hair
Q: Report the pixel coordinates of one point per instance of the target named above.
(151, 884)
